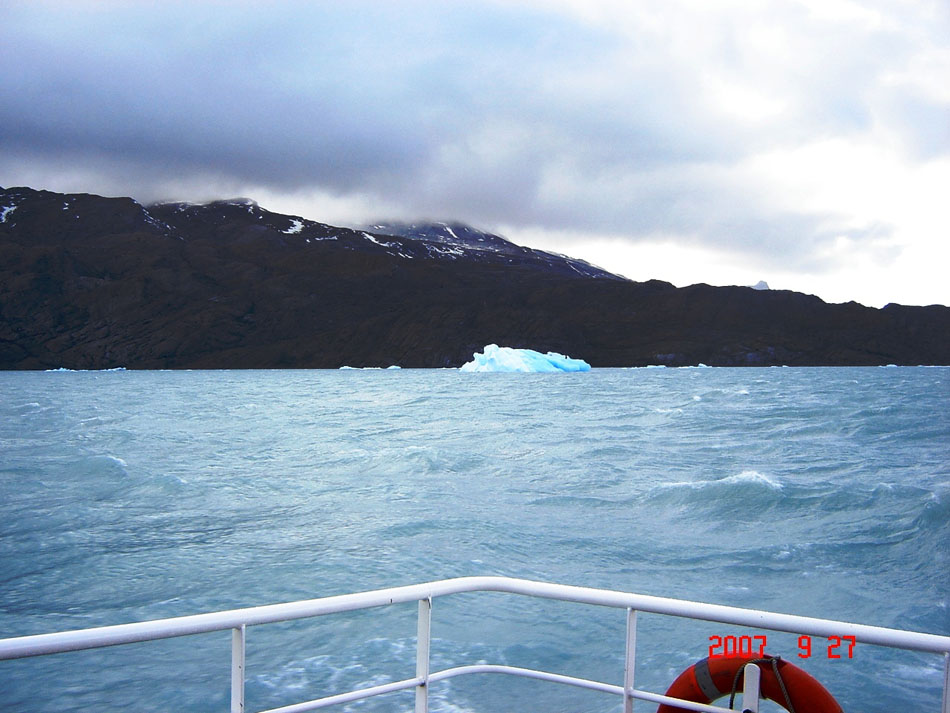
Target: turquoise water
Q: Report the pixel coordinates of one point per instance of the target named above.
(136, 495)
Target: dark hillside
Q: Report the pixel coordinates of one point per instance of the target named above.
(91, 282)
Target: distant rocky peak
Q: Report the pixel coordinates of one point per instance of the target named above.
(453, 233)
(455, 240)
(246, 204)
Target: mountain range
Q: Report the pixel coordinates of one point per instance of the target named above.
(88, 282)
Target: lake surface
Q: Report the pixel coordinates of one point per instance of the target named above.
(127, 496)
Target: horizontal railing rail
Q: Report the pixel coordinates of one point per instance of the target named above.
(239, 619)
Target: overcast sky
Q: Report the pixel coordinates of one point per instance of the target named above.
(801, 142)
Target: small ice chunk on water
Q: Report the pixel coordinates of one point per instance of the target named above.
(369, 368)
(496, 358)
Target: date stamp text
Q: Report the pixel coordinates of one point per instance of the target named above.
(720, 647)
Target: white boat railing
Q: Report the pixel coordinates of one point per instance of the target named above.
(239, 619)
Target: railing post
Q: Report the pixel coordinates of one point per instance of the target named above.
(750, 688)
(630, 660)
(422, 654)
(237, 669)
(945, 708)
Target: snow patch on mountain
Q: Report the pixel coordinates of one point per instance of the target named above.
(295, 227)
(373, 239)
(248, 203)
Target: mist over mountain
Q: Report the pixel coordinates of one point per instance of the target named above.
(91, 282)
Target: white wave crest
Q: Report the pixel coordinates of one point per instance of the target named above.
(746, 477)
(753, 476)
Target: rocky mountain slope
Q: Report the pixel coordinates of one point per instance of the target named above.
(93, 282)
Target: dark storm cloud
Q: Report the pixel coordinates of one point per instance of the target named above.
(211, 89)
(495, 112)
(292, 95)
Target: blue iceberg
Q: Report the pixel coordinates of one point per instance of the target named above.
(496, 358)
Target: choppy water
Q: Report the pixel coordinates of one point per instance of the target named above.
(135, 495)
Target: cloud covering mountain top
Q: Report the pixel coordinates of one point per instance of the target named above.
(794, 138)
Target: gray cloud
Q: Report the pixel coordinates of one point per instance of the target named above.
(494, 113)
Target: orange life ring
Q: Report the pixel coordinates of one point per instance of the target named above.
(709, 679)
